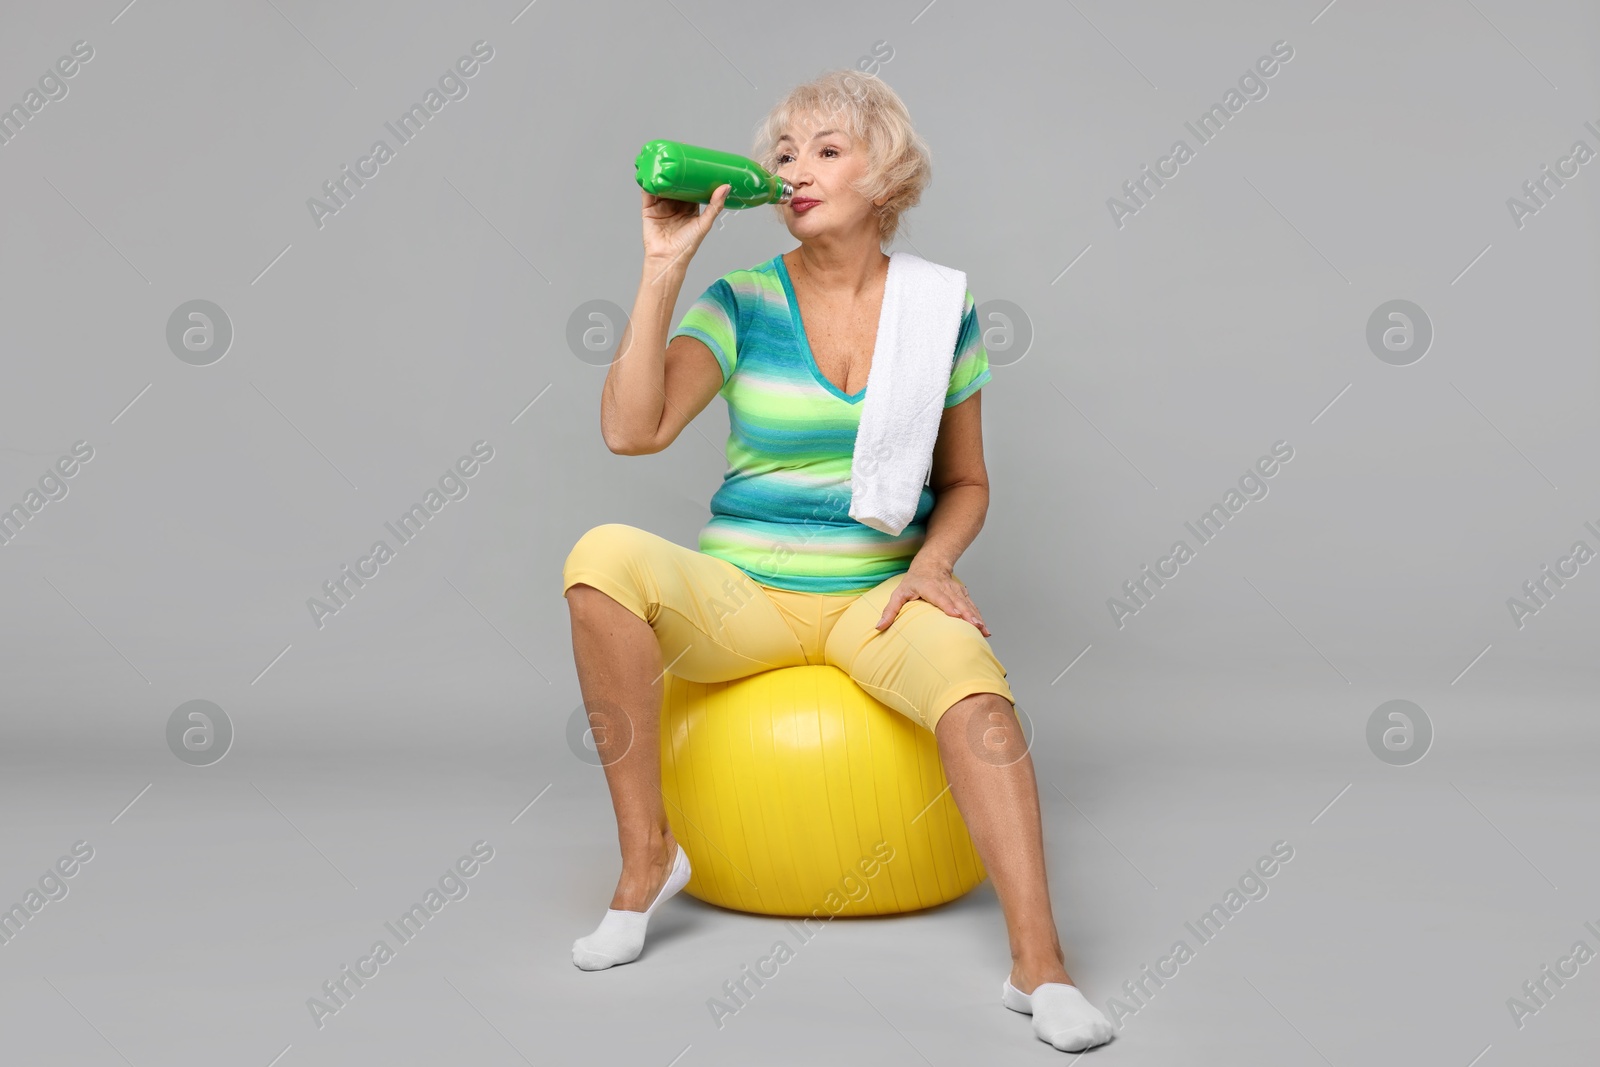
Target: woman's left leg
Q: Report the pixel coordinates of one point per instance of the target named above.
(986, 758)
(921, 663)
(939, 670)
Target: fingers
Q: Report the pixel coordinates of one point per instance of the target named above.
(957, 604)
(897, 600)
(966, 609)
(891, 609)
(969, 613)
(704, 217)
(719, 197)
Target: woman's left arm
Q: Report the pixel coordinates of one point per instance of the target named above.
(960, 484)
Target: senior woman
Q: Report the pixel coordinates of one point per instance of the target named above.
(789, 344)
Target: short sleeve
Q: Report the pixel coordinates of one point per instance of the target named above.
(969, 371)
(713, 320)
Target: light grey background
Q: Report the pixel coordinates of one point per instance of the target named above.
(369, 354)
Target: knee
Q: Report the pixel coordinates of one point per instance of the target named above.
(602, 548)
(987, 725)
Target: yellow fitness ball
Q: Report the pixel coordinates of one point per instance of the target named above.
(796, 793)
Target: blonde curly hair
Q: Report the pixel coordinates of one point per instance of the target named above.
(899, 164)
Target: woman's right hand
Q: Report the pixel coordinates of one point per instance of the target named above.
(675, 228)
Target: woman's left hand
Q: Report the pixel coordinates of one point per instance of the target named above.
(941, 590)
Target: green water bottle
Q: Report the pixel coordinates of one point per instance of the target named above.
(673, 170)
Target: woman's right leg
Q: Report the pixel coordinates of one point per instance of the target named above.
(620, 676)
(642, 605)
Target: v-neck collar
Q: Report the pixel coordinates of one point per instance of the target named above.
(805, 342)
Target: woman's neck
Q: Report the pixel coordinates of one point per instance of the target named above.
(837, 271)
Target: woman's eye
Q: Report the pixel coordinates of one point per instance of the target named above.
(785, 157)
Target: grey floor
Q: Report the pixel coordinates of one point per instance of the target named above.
(1418, 900)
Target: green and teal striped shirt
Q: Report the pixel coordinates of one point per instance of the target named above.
(782, 513)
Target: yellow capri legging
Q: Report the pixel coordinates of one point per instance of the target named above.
(715, 623)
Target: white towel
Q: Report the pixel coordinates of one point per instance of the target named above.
(906, 384)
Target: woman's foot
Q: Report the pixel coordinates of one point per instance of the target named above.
(643, 876)
(1062, 1015)
(642, 888)
(1024, 977)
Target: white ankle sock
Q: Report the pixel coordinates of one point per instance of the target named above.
(620, 936)
(1062, 1015)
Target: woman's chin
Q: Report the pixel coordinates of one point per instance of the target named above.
(800, 227)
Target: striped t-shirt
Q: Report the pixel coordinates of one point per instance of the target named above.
(782, 513)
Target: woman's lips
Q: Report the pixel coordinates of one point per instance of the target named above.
(802, 204)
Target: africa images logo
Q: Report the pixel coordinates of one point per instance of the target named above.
(453, 886)
(1252, 86)
(452, 86)
(1252, 486)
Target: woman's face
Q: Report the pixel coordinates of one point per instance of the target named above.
(821, 161)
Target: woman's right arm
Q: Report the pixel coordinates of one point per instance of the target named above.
(653, 390)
